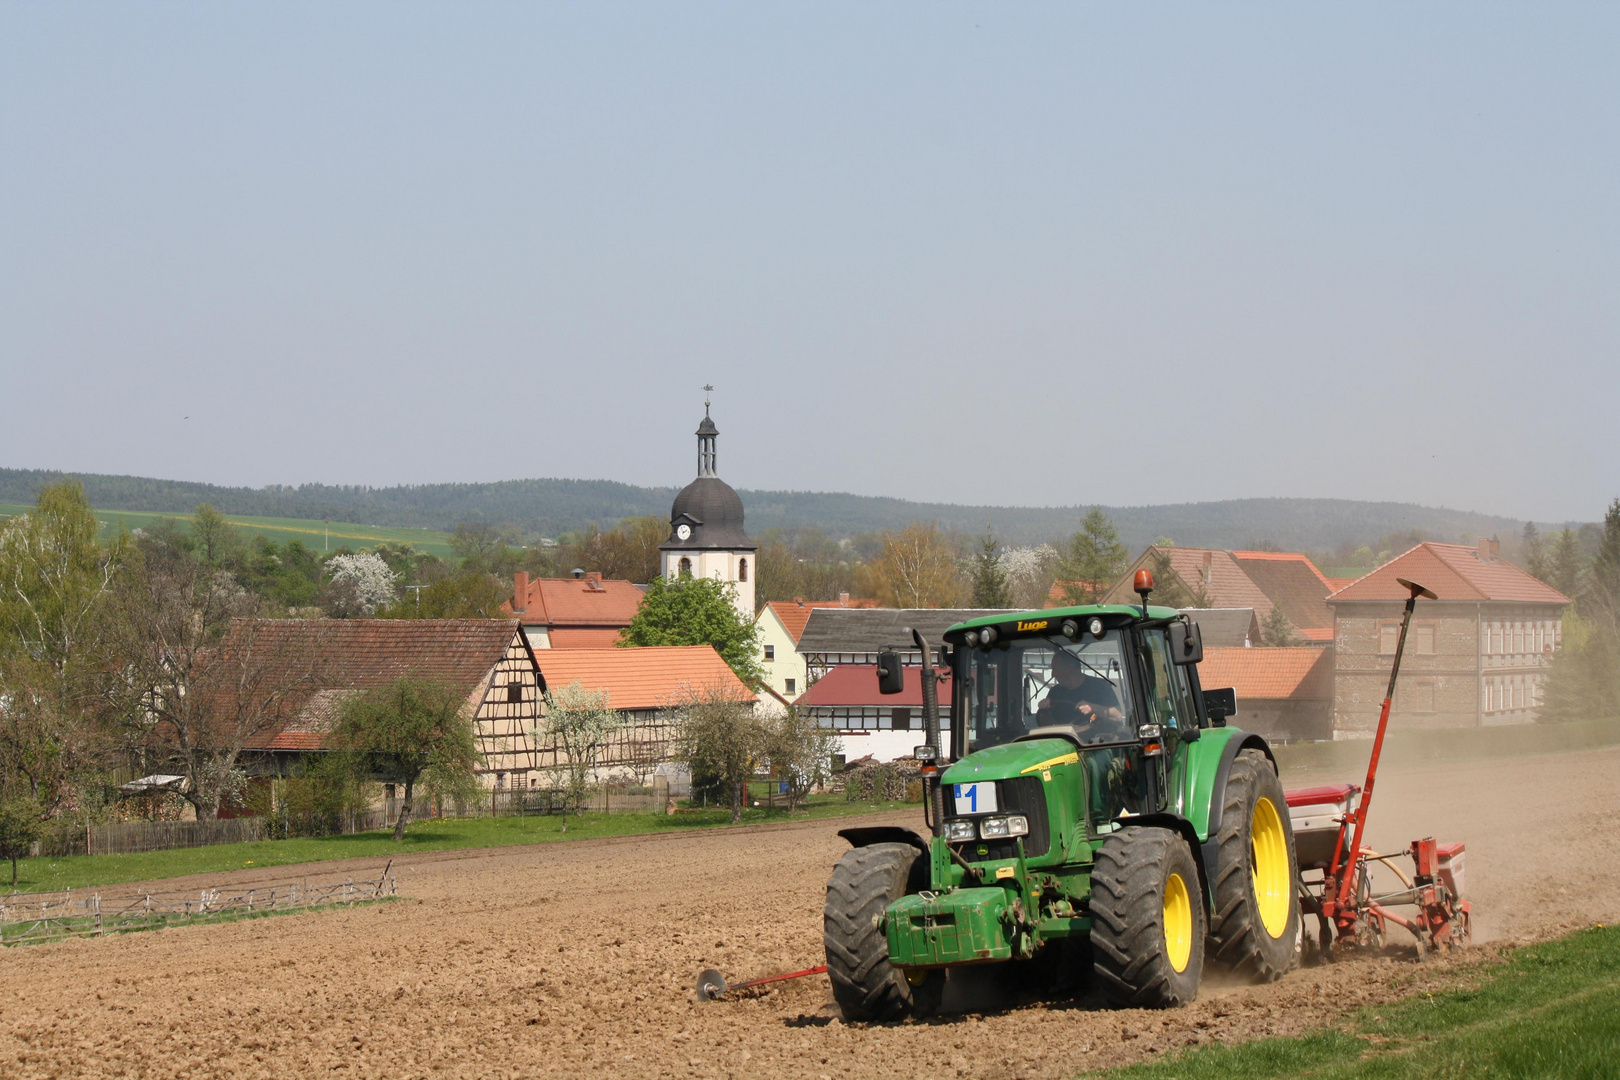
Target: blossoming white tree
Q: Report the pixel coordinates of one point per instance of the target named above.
(373, 582)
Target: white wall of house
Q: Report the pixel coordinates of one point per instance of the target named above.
(885, 745)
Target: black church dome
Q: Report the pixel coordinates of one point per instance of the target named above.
(713, 511)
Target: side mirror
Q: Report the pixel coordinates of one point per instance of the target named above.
(1219, 704)
(891, 678)
(1186, 643)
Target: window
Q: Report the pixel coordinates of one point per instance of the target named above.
(789, 685)
(770, 652)
(900, 719)
(1423, 639)
(1389, 634)
(514, 691)
(1518, 637)
(742, 569)
(1495, 648)
(685, 567)
(1417, 696)
(1518, 693)
(500, 780)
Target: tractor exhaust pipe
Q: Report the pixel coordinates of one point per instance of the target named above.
(933, 793)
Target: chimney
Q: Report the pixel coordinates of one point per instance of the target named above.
(799, 600)
(1208, 571)
(520, 591)
(593, 582)
(577, 572)
(1488, 549)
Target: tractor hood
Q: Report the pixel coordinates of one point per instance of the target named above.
(1010, 760)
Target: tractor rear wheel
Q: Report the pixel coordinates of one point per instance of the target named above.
(1255, 921)
(1147, 919)
(865, 985)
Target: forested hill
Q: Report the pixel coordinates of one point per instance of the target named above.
(550, 507)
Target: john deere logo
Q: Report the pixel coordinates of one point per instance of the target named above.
(1040, 625)
(983, 850)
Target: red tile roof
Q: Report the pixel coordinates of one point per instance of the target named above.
(641, 678)
(1452, 572)
(851, 685)
(583, 637)
(795, 613)
(1292, 582)
(1302, 672)
(1315, 633)
(337, 657)
(587, 601)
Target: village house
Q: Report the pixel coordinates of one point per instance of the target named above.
(488, 659)
(583, 611)
(870, 724)
(1285, 694)
(1477, 656)
(647, 687)
(1260, 580)
(836, 636)
(780, 624)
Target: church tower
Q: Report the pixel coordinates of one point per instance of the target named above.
(706, 537)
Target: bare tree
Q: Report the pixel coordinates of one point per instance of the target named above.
(800, 753)
(199, 679)
(578, 725)
(719, 736)
(917, 568)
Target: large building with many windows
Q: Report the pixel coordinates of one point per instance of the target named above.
(1476, 657)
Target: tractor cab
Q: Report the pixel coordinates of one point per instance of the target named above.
(1110, 688)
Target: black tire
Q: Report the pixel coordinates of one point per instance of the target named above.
(1240, 938)
(1133, 959)
(865, 985)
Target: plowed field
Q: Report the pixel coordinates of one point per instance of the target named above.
(578, 960)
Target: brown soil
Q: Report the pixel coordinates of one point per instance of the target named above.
(579, 959)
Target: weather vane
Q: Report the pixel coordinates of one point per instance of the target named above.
(707, 390)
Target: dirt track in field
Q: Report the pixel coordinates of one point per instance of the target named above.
(578, 960)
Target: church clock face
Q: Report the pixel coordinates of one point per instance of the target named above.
(684, 532)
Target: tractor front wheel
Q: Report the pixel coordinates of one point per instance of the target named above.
(1147, 919)
(1255, 921)
(863, 885)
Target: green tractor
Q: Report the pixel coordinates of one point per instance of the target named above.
(1095, 815)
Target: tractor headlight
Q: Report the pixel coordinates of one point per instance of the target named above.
(959, 830)
(994, 828)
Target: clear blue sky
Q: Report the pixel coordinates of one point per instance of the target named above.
(979, 253)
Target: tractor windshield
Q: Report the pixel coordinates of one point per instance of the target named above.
(1040, 682)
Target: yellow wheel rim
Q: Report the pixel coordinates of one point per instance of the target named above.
(1178, 922)
(1269, 852)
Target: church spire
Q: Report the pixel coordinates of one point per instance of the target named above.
(706, 433)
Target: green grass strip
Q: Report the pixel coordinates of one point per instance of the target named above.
(1552, 1010)
(444, 834)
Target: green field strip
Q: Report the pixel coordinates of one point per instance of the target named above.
(313, 532)
(1546, 1010)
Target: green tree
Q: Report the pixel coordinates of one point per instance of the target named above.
(20, 821)
(1534, 551)
(1568, 564)
(719, 735)
(1603, 578)
(1276, 631)
(800, 752)
(469, 594)
(412, 731)
(1091, 560)
(216, 539)
(55, 578)
(578, 725)
(987, 577)
(697, 611)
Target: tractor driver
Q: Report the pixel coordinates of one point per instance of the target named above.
(1081, 698)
